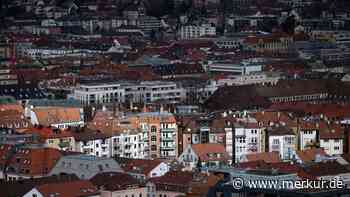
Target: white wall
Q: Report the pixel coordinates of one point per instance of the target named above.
(160, 170)
(332, 146)
(33, 192)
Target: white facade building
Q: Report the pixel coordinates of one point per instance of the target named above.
(245, 67)
(149, 91)
(128, 144)
(332, 146)
(284, 144)
(99, 93)
(307, 137)
(248, 140)
(253, 78)
(94, 145)
(194, 31)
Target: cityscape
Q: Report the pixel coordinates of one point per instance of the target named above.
(174, 98)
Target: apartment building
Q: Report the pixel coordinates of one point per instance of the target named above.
(128, 144)
(159, 134)
(282, 139)
(245, 67)
(92, 143)
(90, 94)
(150, 91)
(196, 31)
(253, 78)
(248, 140)
(146, 91)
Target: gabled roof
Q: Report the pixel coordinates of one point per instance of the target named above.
(325, 169)
(207, 152)
(309, 155)
(85, 134)
(140, 166)
(267, 157)
(280, 130)
(174, 179)
(80, 188)
(85, 166)
(53, 115)
(114, 181)
(49, 132)
(21, 187)
(32, 161)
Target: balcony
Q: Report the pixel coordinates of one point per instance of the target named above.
(167, 139)
(168, 130)
(167, 148)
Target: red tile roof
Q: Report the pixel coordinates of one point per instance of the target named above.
(267, 157)
(141, 166)
(113, 181)
(204, 152)
(32, 161)
(79, 188)
(49, 132)
(53, 115)
(309, 155)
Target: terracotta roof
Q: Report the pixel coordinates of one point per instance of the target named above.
(329, 110)
(266, 117)
(49, 132)
(33, 161)
(178, 181)
(139, 166)
(205, 150)
(85, 134)
(267, 157)
(285, 167)
(17, 107)
(279, 130)
(113, 181)
(53, 115)
(331, 131)
(13, 119)
(105, 122)
(21, 187)
(325, 169)
(309, 155)
(80, 188)
(236, 97)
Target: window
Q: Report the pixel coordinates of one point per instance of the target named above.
(154, 138)
(153, 129)
(34, 195)
(153, 147)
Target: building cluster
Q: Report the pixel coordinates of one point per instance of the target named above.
(129, 98)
